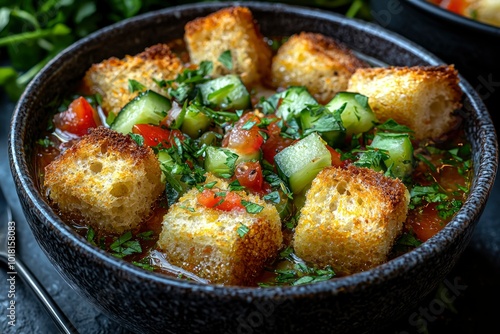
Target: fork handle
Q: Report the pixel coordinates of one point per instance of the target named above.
(60, 319)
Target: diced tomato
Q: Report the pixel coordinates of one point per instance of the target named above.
(427, 223)
(244, 140)
(273, 145)
(154, 135)
(208, 198)
(227, 201)
(249, 175)
(336, 160)
(78, 118)
(455, 6)
(232, 201)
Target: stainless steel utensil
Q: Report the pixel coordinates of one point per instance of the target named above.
(15, 267)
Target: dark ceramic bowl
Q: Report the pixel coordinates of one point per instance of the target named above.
(473, 47)
(150, 302)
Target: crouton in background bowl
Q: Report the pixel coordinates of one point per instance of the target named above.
(148, 302)
(470, 40)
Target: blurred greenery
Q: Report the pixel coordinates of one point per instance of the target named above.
(33, 31)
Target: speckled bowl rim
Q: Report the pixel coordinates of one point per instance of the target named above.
(450, 17)
(470, 212)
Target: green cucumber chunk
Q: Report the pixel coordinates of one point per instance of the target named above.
(226, 93)
(292, 101)
(220, 161)
(195, 122)
(357, 115)
(299, 163)
(148, 107)
(400, 150)
(328, 124)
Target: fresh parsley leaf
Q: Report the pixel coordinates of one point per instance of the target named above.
(183, 86)
(144, 263)
(448, 209)
(252, 207)
(392, 126)
(45, 142)
(124, 246)
(408, 239)
(273, 197)
(145, 235)
(372, 158)
(137, 138)
(248, 125)
(236, 186)
(91, 236)
(427, 162)
(242, 230)
(226, 59)
(135, 86)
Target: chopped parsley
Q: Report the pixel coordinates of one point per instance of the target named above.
(226, 59)
(45, 142)
(299, 273)
(137, 138)
(123, 245)
(252, 207)
(135, 86)
(242, 230)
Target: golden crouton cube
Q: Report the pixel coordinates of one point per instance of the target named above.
(350, 219)
(315, 61)
(224, 247)
(110, 78)
(230, 29)
(422, 98)
(106, 180)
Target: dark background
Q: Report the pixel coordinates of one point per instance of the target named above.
(466, 301)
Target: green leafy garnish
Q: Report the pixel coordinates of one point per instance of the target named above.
(124, 246)
(45, 142)
(226, 59)
(183, 86)
(144, 263)
(137, 138)
(273, 197)
(135, 86)
(392, 126)
(91, 236)
(252, 207)
(242, 230)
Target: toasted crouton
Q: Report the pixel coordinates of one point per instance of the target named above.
(110, 78)
(350, 219)
(232, 29)
(106, 180)
(487, 11)
(422, 98)
(316, 62)
(206, 241)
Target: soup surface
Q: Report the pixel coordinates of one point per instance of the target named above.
(264, 146)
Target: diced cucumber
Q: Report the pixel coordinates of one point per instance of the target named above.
(292, 101)
(328, 124)
(255, 156)
(195, 122)
(165, 161)
(226, 93)
(357, 115)
(148, 107)
(400, 151)
(299, 163)
(220, 161)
